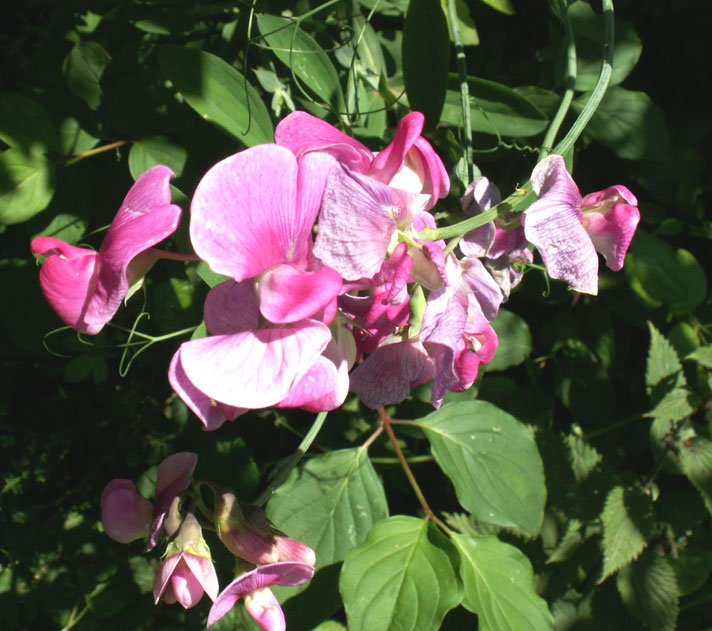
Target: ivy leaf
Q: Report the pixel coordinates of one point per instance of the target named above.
(499, 586)
(649, 589)
(628, 524)
(403, 577)
(696, 462)
(493, 463)
(330, 503)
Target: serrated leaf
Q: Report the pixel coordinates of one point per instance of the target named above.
(515, 340)
(403, 578)
(583, 457)
(83, 68)
(663, 362)
(499, 586)
(493, 463)
(649, 590)
(628, 524)
(303, 55)
(330, 503)
(696, 462)
(218, 93)
(148, 152)
(568, 544)
(702, 356)
(26, 185)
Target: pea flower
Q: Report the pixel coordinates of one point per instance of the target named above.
(187, 570)
(84, 287)
(568, 230)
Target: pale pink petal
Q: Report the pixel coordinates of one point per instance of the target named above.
(203, 570)
(301, 133)
(287, 573)
(211, 413)
(289, 294)
(245, 218)
(479, 196)
(186, 587)
(264, 607)
(173, 475)
(125, 514)
(436, 181)
(389, 161)
(163, 577)
(292, 550)
(554, 225)
(254, 369)
(482, 286)
(231, 307)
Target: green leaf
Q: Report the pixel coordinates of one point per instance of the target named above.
(69, 228)
(468, 30)
(26, 185)
(303, 55)
(25, 125)
(649, 590)
(148, 152)
(493, 463)
(696, 462)
(402, 578)
(629, 123)
(702, 356)
(665, 275)
(515, 340)
(330, 503)
(83, 68)
(628, 524)
(209, 277)
(496, 109)
(218, 93)
(499, 586)
(503, 6)
(426, 58)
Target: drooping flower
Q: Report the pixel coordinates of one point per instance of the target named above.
(408, 163)
(187, 570)
(568, 229)
(85, 287)
(260, 602)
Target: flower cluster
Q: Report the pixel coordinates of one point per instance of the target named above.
(297, 312)
(264, 555)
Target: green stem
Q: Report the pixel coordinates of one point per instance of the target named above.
(293, 460)
(464, 87)
(566, 100)
(609, 428)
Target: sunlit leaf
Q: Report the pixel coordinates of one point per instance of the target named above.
(149, 152)
(26, 185)
(25, 125)
(83, 69)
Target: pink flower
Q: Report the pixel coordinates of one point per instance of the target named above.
(187, 570)
(260, 602)
(408, 163)
(84, 287)
(568, 230)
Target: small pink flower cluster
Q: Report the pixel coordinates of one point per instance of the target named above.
(265, 555)
(296, 313)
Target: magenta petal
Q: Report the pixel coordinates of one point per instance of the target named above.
(185, 586)
(301, 132)
(231, 307)
(174, 474)
(264, 607)
(314, 387)
(254, 369)
(244, 215)
(436, 181)
(211, 413)
(554, 225)
(125, 514)
(289, 294)
(286, 573)
(389, 161)
(482, 287)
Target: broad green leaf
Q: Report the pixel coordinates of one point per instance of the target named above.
(426, 58)
(468, 30)
(495, 109)
(330, 503)
(209, 277)
(148, 152)
(628, 524)
(25, 125)
(69, 228)
(493, 463)
(664, 275)
(26, 185)
(629, 123)
(503, 6)
(702, 356)
(515, 340)
(303, 55)
(696, 461)
(73, 139)
(83, 68)
(499, 586)
(403, 578)
(649, 590)
(218, 93)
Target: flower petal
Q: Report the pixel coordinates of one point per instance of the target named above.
(204, 571)
(231, 307)
(391, 160)
(163, 576)
(125, 514)
(264, 607)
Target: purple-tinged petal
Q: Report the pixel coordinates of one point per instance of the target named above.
(211, 413)
(163, 576)
(436, 181)
(284, 574)
(480, 196)
(482, 287)
(397, 271)
(320, 381)
(554, 225)
(291, 550)
(203, 570)
(231, 307)
(125, 514)
(245, 217)
(301, 133)
(289, 294)
(389, 161)
(611, 218)
(254, 369)
(264, 608)
(174, 472)
(512, 242)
